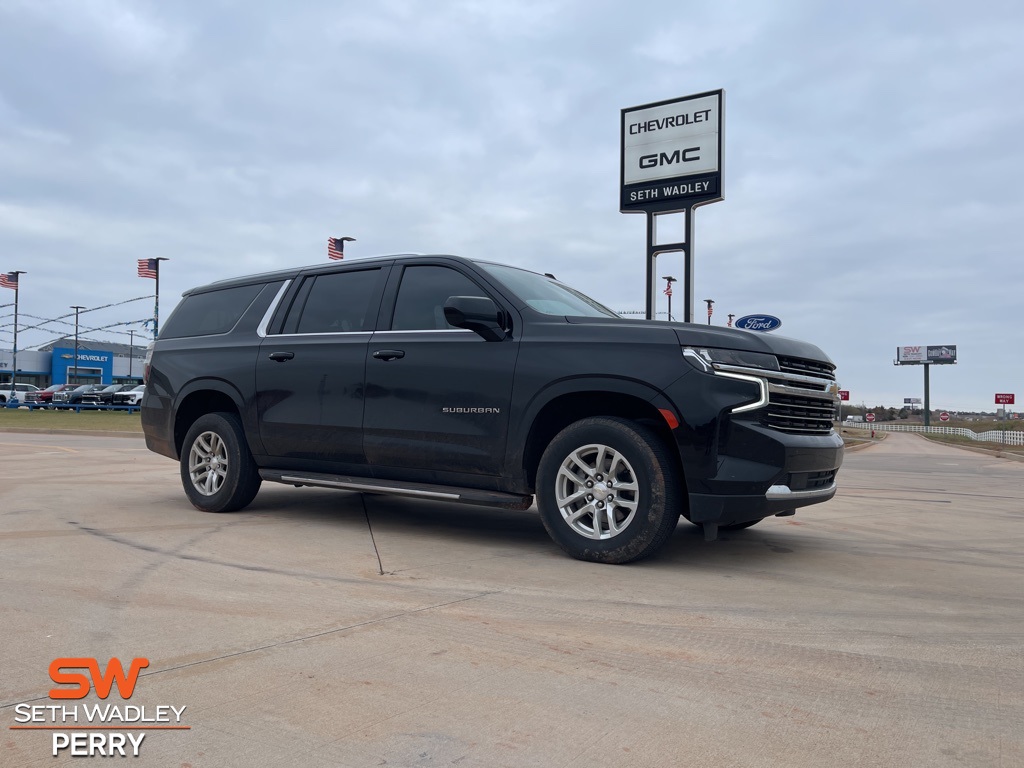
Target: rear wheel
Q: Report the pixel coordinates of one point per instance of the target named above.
(607, 490)
(217, 469)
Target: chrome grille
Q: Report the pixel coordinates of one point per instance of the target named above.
(801, 397)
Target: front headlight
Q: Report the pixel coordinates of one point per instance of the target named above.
(706, 358)
(735, 364)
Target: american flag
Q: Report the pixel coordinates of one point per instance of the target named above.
(147, 268)
(9, 280)
(668, 289)
(336, 248)
(710, 311)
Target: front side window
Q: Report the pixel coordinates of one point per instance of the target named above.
(424, 292)
(547, 295)
(339, 302)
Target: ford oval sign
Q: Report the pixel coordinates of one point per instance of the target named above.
(758, 323)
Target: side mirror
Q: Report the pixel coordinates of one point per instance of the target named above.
(476, 313)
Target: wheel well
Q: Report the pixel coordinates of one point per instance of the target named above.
(199, 404)
(566, 409)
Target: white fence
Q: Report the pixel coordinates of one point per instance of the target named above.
(1004, 437)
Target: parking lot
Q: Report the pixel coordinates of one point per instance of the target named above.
(883, 628)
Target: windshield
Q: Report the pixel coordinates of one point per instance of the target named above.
(545, 294)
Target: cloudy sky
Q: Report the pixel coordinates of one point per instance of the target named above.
(873, 161)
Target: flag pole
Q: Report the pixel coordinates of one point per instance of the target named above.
(156, 299)
(14, 350)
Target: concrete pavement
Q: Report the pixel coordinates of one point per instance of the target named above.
(883, 628)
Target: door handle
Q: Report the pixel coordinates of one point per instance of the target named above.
(389, 354)
(280, 357)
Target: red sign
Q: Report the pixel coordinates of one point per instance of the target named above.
(1004, 399)
(870, 417)
(943, 416)
(844, 394)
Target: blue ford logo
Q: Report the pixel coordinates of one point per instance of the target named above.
(758, 323)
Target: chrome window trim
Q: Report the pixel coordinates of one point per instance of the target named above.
(430, 330)
(261, 329)
(324, 333)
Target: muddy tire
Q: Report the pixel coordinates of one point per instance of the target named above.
(607, 490)
(217, 469)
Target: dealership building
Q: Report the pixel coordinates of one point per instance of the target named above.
(98, 363)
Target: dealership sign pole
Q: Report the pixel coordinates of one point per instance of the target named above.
(671, 162)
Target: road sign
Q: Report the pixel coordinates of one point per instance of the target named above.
(869, 417)
(943, 416)
(844, 394)
(1004, 399)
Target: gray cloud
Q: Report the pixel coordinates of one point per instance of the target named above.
(871, 157)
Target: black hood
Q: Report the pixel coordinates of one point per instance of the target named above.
(696, 335)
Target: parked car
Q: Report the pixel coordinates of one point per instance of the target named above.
(106, 395)
(19, 391)
(45, 396)
(132, 396)
(86, 394)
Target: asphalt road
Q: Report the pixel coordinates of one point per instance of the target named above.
(884, 628)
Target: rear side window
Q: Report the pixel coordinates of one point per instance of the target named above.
(203, 314)
(339, 302)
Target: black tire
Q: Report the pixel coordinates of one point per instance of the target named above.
(217, 469)
(633, 455)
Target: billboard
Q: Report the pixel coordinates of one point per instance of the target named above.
(911, 400)
(921, 355)
(672, 153)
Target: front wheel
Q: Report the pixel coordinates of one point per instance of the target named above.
(607, 490)
(217, 469)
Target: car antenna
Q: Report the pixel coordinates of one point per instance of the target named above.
(548, 274)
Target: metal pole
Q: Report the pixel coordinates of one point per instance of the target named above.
(156, 302)
(927, 397)
(131, 351)
(76, 308)
(14, 350)
(652, 255)
(688, 285)
(710, 303)
(668, 292)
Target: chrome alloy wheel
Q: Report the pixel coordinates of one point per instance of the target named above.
(208, 463)
(596, 491)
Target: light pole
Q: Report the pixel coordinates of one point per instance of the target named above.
(731, 316)
(131, 351)
(710, 303)
(668, 292)
(77, 309)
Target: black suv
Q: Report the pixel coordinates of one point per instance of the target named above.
(444, 378)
